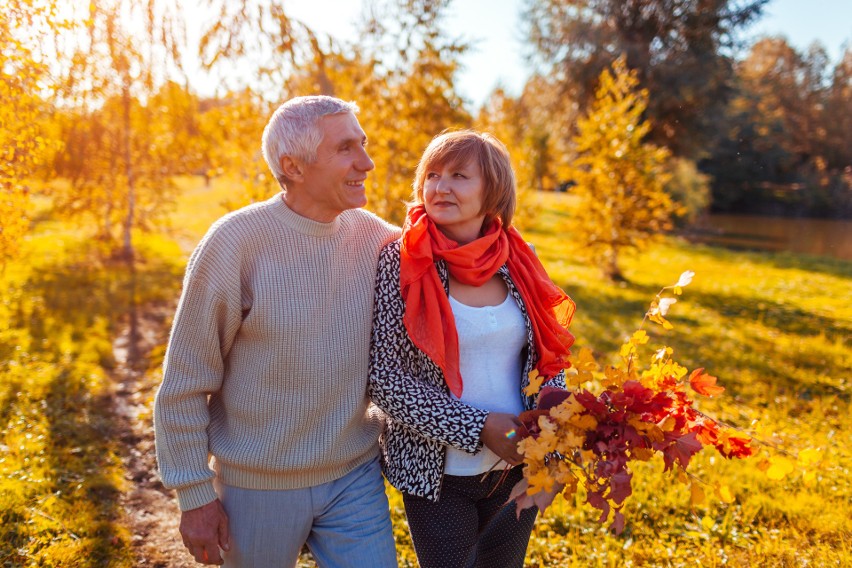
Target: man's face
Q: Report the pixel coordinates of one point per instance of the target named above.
(335, 181)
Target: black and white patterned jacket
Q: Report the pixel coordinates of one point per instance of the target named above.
(422, 417)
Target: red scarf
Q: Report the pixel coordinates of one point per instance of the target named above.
(428, 316)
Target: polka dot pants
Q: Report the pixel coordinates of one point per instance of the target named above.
(471, 526)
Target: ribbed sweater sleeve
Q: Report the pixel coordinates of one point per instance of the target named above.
(266, 367)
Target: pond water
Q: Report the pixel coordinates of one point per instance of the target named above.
(823, 237)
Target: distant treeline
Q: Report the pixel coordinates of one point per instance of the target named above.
(101, 98)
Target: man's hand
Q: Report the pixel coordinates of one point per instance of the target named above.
(501, 434)
(204, 530)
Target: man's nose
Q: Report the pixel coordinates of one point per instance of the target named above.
(365, 163)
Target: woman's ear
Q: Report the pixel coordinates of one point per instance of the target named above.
(292, 168)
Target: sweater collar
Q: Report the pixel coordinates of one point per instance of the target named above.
(302, 224)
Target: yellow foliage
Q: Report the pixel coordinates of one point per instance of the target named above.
(620, 178)
(22, 140)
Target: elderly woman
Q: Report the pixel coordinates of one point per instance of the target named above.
(464, 313)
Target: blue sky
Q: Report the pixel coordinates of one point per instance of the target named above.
(494, 28)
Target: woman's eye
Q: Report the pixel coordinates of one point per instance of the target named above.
(431, 175)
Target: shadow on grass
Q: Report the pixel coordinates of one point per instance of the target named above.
(751, 363)
(71, 313)
(785, 318)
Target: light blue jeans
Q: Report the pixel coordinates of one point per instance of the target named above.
(345, 523)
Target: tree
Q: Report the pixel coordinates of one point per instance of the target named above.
(115, 117)
(620, 178)
(785, 145)
(230, 131)
(528, 132)
(23, 72)
(400, 72)
(680, 49)
(838, 115)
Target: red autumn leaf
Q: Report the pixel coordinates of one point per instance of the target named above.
(703, 383)
(551, 397)
(707, 431)
(617, 525)
(682, 450)
(736, 447)
(529, 418)
(620, 488)
(597, 501)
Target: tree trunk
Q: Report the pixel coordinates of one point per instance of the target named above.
(128, 251)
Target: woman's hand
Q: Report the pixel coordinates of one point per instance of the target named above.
(501, 435)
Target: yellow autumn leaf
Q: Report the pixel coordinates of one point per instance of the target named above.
(809, 457)
(540, 481)
(584, 366)
(723, 492)
(667, 424)
(563, 412)
(696, 495)
(639, 337)
(809, 478)
(571, 440)
(584, 422)
(642, 454)
(707, 521)
(535, 383)
(613, 377)
(779, 468)
(532, 450)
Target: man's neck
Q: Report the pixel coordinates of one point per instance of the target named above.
(306, 209)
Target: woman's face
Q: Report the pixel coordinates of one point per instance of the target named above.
(453, 198)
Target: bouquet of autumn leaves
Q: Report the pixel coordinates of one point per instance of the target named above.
(584, 438)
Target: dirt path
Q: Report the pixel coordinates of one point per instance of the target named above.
(151, 509)
(152, 512)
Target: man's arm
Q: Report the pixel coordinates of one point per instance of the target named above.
(207, 319)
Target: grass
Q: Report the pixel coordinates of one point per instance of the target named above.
(61, 472)
(775, 328)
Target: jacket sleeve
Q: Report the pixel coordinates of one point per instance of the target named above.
(396, 367)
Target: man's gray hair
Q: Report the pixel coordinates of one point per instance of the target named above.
(293, 130)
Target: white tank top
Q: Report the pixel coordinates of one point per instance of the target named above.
(490, 343)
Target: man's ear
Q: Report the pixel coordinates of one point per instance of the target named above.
(292, 168)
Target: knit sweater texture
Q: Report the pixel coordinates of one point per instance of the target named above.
(267, 362)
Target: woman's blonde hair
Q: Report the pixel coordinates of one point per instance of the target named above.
(457, 148)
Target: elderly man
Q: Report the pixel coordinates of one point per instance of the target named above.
(266, 368)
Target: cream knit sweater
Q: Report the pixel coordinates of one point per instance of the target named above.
(266, 366)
